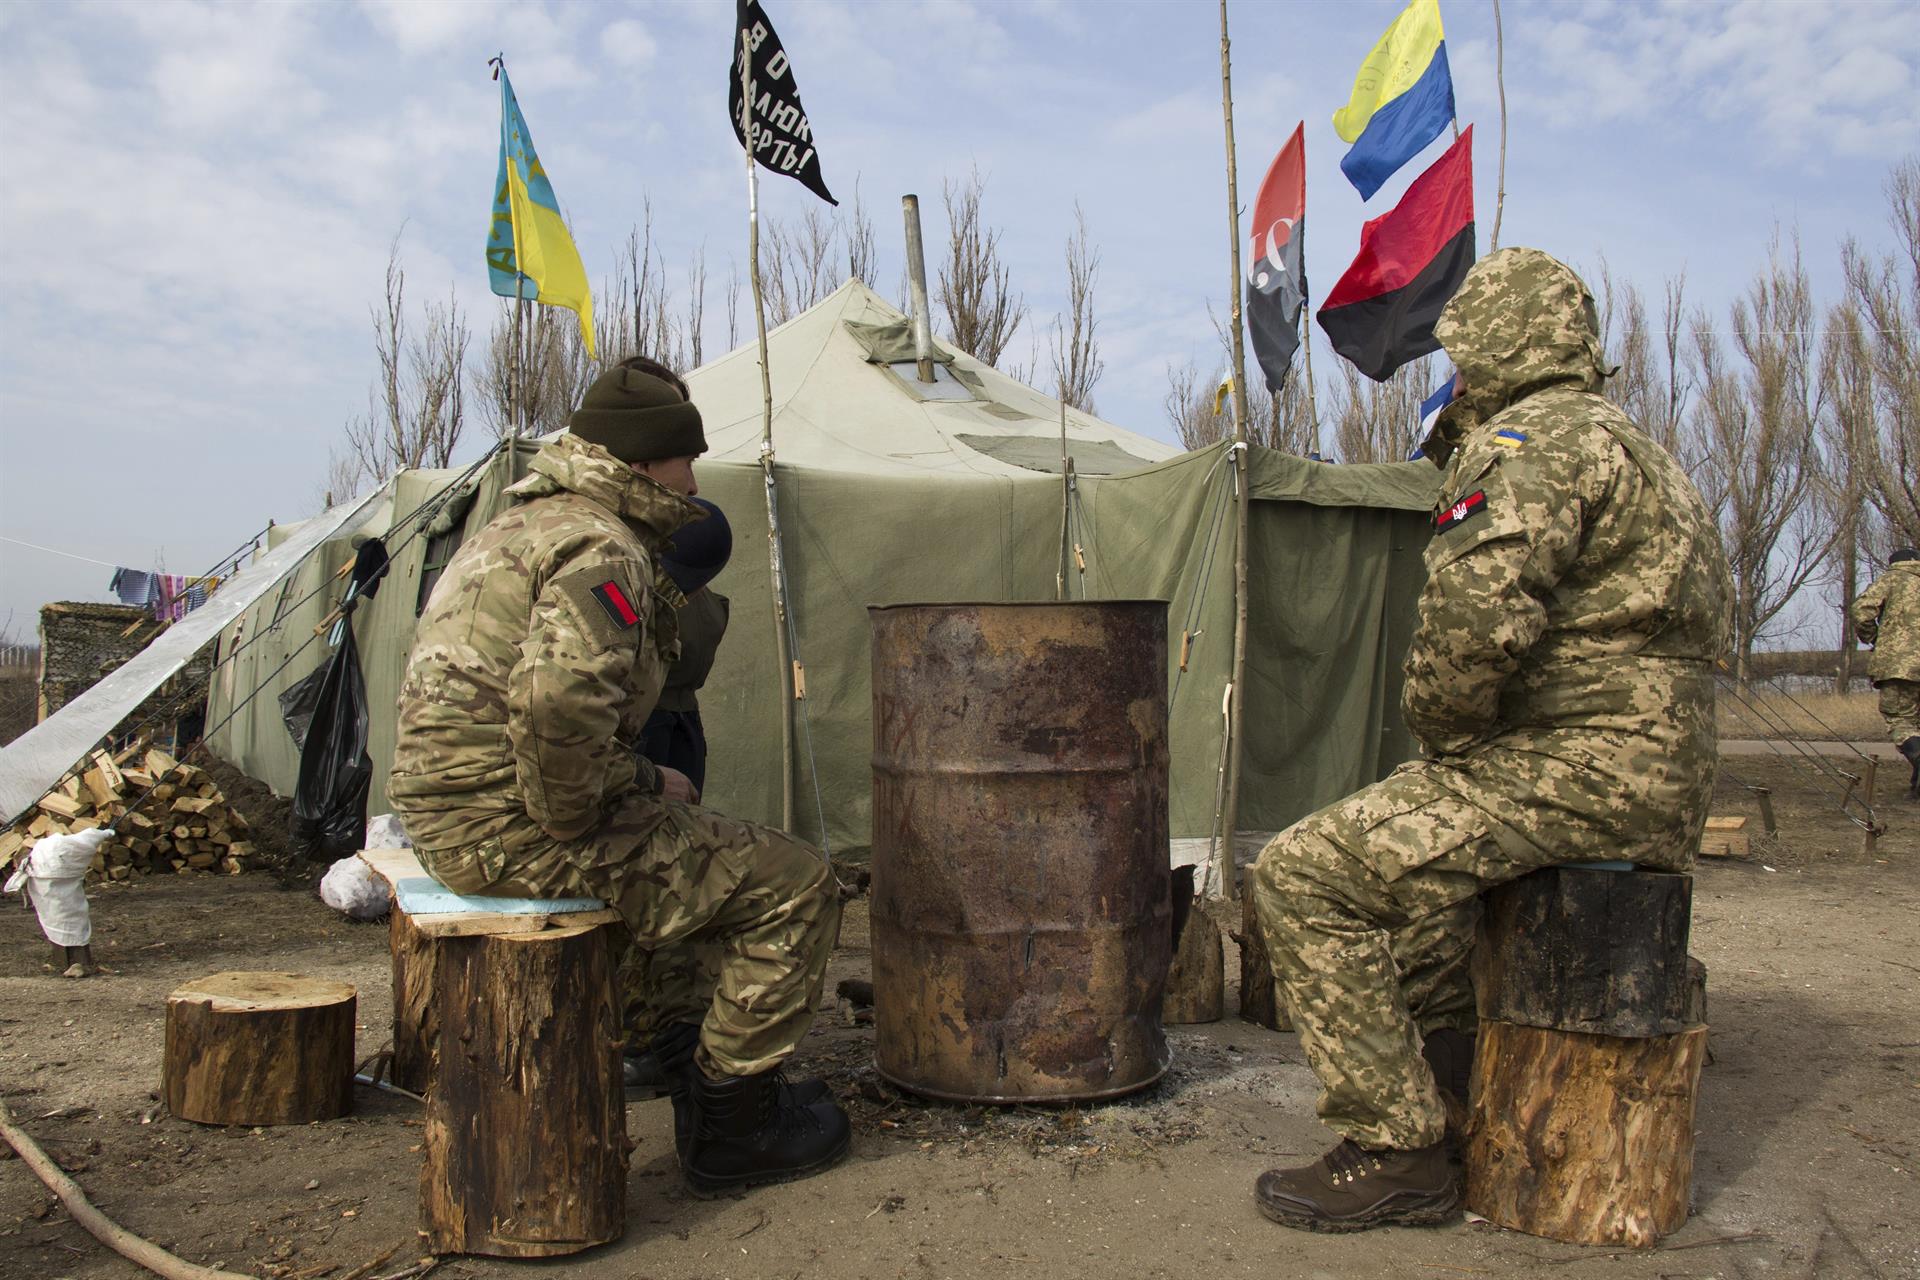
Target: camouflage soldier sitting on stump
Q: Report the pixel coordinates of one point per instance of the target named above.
(1560, 684)
(1887, 616)
(541, 651)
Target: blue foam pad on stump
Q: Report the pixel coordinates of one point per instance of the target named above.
(425, 896)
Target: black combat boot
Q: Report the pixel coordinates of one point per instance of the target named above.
(1911, 750)
(1354, 1189)
(1450, 1054)
(745, 1132)
(670, 1054)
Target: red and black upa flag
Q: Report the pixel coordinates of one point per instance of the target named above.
(1412, 259)
(1277, 281)
(782, 138)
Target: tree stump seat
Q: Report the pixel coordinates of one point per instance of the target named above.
(259, 1049)
(1592, 1036)
(504, 1017)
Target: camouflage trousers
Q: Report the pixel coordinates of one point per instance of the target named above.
(1368, 910)
(731, 922)
(1900, 707)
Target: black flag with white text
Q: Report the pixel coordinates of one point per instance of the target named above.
(782, 138)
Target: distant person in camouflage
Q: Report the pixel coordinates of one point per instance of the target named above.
(674, 737)
(1887, 616)
(1560, 684)
(541, 651)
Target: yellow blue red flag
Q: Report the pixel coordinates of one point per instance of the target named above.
(1401, 100)
(530, 253)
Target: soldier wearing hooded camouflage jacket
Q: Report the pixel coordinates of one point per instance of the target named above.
(540, 653)
(1560, 683)
(1887, 616)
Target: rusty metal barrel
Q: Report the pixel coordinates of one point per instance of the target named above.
(1021, 921)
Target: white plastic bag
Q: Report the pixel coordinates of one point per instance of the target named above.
(350, 886)
(54, 873)
(385, 832)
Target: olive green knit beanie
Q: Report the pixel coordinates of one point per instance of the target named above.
(638, 415)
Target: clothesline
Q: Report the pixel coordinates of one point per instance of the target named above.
(55, 551)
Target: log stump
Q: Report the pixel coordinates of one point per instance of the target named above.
(526, 1138)
(1260, 1000)
(259, 1048)
(1196, 982)
(1580, 949)
(1583, 1138)
(1591, 1043)
(415, 1023)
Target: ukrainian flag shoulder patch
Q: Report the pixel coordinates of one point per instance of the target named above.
(1509, 437)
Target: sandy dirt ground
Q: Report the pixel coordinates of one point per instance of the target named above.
(1808, 1123)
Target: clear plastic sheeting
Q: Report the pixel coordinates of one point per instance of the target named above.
(36, 760)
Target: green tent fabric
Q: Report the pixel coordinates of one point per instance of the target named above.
(882, 502)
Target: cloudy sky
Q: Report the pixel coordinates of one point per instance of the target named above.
(204, 195)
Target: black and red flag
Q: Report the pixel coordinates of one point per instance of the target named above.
(782, 136)
(1412, 259)
(1277, 281)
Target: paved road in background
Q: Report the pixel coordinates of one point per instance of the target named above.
(1760, 747)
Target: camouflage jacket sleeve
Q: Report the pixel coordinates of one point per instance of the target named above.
(1508, 528)
(1866, 612)
(568, 692)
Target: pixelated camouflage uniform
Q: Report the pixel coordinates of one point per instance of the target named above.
(540, 653)
(1560, 684)
(1887, 616)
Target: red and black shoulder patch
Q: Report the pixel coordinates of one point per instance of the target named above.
(613, 598)
(1460, 512)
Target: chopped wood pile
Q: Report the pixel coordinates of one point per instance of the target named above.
(185, 826)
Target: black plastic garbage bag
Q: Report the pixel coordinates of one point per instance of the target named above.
(298, 704)
(330, 799)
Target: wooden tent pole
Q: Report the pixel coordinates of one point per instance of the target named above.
(1066, 504)
(1230, 808)
(776, 565)
(1500, 81)
(1306, 350)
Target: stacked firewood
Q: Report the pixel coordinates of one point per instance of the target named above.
(185, 825)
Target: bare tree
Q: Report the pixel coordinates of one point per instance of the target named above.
(797, 263)
(1886, 293)
(1850, 437)
(1189, 403)
(1077, 365)
(733, 303)
(975, 286)
(1378, 421)
(862, 250)
(695, 325)
(416, 409)
(1756, 428)
(1652, 384)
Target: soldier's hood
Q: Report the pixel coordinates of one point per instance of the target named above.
(1522, 322)
(1905, 566)
(569, 464)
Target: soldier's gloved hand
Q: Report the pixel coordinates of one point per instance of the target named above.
(675, 785)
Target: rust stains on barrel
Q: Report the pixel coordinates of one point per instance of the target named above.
(1021, 922)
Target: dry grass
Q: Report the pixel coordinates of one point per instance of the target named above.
(1807, 713)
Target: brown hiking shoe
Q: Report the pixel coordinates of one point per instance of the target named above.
(1353, 1189)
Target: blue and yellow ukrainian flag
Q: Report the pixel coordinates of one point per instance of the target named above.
(1402, 98)
(529, 251)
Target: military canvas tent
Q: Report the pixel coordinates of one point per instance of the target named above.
(892, 491)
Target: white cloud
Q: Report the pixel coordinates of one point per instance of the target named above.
(627, 43)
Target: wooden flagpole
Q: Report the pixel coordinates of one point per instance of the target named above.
(1228, 819)
(1306, 349)
(1500, 81)
(1066, 502)
(774, 559)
